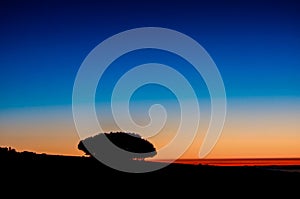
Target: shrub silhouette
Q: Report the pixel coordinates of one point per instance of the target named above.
(130, 142)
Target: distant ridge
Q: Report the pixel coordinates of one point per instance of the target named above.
(238, 161)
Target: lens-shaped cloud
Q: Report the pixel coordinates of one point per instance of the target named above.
(106, 52)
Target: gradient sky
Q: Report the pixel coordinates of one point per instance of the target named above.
(255, 45)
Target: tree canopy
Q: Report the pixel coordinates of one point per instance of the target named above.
(138, 147)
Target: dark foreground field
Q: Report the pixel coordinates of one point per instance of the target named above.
(85, 175)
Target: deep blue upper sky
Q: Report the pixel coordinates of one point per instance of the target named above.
(256, 45)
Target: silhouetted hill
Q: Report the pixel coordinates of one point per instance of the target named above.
(44, 171)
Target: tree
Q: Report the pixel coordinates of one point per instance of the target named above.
(138, 147)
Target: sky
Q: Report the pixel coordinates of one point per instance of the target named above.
(254, 44)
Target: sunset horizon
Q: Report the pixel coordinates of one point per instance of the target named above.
(200, 80)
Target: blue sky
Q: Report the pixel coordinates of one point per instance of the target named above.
(255, 45)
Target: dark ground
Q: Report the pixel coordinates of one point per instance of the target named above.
(81, 175)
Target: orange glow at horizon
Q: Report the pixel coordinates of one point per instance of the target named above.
(247, 133)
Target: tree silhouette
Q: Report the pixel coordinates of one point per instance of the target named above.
(130, 142)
